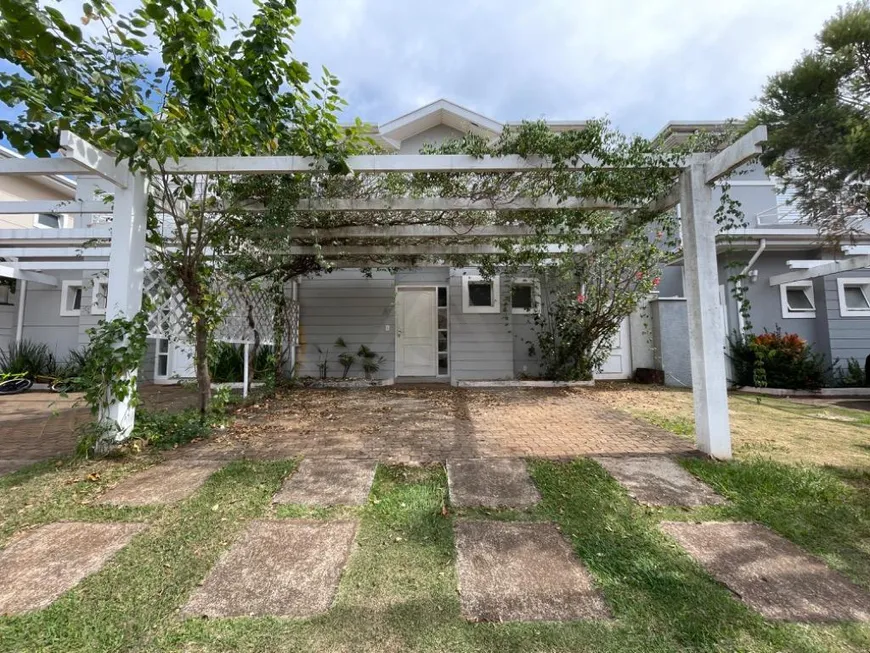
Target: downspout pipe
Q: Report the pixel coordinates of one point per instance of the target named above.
(21, 291)
(762, 245)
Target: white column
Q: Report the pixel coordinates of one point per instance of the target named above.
(21, 291)
(126, 276)
(246, 370)
(706, 330)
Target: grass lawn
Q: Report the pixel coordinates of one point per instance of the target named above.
(399, 591)
(782, 429)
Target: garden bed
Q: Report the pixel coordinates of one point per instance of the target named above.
(522, 383)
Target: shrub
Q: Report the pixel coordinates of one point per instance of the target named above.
(166, 429)
(852, 376)
(777, 360)
(31, 358)
(227, 362)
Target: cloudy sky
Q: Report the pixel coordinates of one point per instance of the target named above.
(641, 62)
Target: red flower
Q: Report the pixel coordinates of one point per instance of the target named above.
(639, 276)
(581, 299)
(657, 281)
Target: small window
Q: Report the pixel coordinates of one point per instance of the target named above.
(480, 295)
(71, 298)
(99, 299)
(854, 297)
(797, 300)
(525, 296)
(46, 221)
(162, 366)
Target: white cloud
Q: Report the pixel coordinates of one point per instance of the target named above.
(642, 62)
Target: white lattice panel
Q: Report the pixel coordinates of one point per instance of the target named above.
(243, 303)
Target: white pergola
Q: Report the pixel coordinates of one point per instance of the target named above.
(693, 186)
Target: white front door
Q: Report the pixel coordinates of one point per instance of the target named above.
(618, 366)
(416, 343)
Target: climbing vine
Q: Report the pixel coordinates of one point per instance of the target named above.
(115, 351)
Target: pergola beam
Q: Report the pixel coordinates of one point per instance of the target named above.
(8, 271)
(735, 155)
(456, 204)
(417, 231)
(69, 207)
(94, 159)
(56, 252)
(44, 166)
(433, 163)
(433, 249)
(101, 264)
(854, 263)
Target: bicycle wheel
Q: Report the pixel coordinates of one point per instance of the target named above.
(14, 386)
(62, 386)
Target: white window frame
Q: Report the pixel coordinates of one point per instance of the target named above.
(496, 294)
(38, 225)
(790, 313)
(104, 285)
(158, 355)
(536, 296)
(842, 282)
(64, 293)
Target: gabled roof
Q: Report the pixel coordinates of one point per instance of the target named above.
(440, 112)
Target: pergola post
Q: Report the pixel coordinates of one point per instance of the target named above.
(126, 278)
(706, 329)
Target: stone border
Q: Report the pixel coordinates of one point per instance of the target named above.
(823, 392)
(518, 383)
(349, 384)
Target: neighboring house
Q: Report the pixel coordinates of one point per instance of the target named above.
(444, 323)
(831, 313)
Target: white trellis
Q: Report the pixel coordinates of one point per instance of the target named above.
(694, 178)
(248, 319)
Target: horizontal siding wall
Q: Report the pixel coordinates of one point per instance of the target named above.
(849, 336)
(43, 321)
(523, 332)
(346, 304)
(481, 344)
(8, 314)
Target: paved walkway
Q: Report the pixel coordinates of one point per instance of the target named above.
(411, 424)
(39, 425)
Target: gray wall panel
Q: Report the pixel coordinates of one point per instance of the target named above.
(346, 304)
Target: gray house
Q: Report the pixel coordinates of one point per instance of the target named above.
(831, 313)
(443, 323)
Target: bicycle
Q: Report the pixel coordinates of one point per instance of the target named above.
(13, 384)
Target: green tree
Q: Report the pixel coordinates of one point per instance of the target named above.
(818, 114)
(216, 91)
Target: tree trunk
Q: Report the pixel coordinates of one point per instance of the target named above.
(203, 376)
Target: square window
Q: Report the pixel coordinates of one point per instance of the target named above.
(525, 296)
(854, 297)
(480, 295)
(46, 221)
(797, 300)
(522, 297)
(71, 298)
